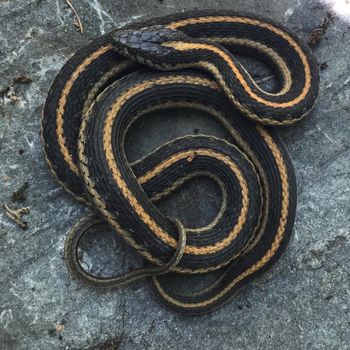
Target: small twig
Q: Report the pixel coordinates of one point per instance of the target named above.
(80, 25)
(262, 80)
(16, 215)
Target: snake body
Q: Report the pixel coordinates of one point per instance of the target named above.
(105, 87)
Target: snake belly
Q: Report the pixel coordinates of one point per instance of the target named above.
(100, 93)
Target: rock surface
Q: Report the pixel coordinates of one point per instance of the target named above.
(302, 303)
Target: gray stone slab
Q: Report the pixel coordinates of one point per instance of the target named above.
(302, 303)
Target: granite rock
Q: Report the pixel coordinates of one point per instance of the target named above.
(302, 303)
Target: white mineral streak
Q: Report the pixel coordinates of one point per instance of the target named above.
(102, 14)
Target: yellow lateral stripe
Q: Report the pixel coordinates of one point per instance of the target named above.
(63, 101)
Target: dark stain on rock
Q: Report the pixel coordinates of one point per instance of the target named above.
(318, 33)
(22, 79)
(21, 194)
(336, 242)
(113, 344)
(323, 65)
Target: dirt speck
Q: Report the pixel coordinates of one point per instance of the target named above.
(21, 194)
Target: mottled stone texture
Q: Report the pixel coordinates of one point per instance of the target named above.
(302, 303)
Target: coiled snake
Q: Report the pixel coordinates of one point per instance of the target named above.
(183, 61)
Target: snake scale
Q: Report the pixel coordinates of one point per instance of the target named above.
(182, 61)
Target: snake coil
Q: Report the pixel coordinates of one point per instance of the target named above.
(182, 61)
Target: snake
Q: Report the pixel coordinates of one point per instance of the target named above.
(188, 61)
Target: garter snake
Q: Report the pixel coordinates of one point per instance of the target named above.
(183, 61)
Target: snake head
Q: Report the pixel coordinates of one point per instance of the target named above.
(147, 45)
